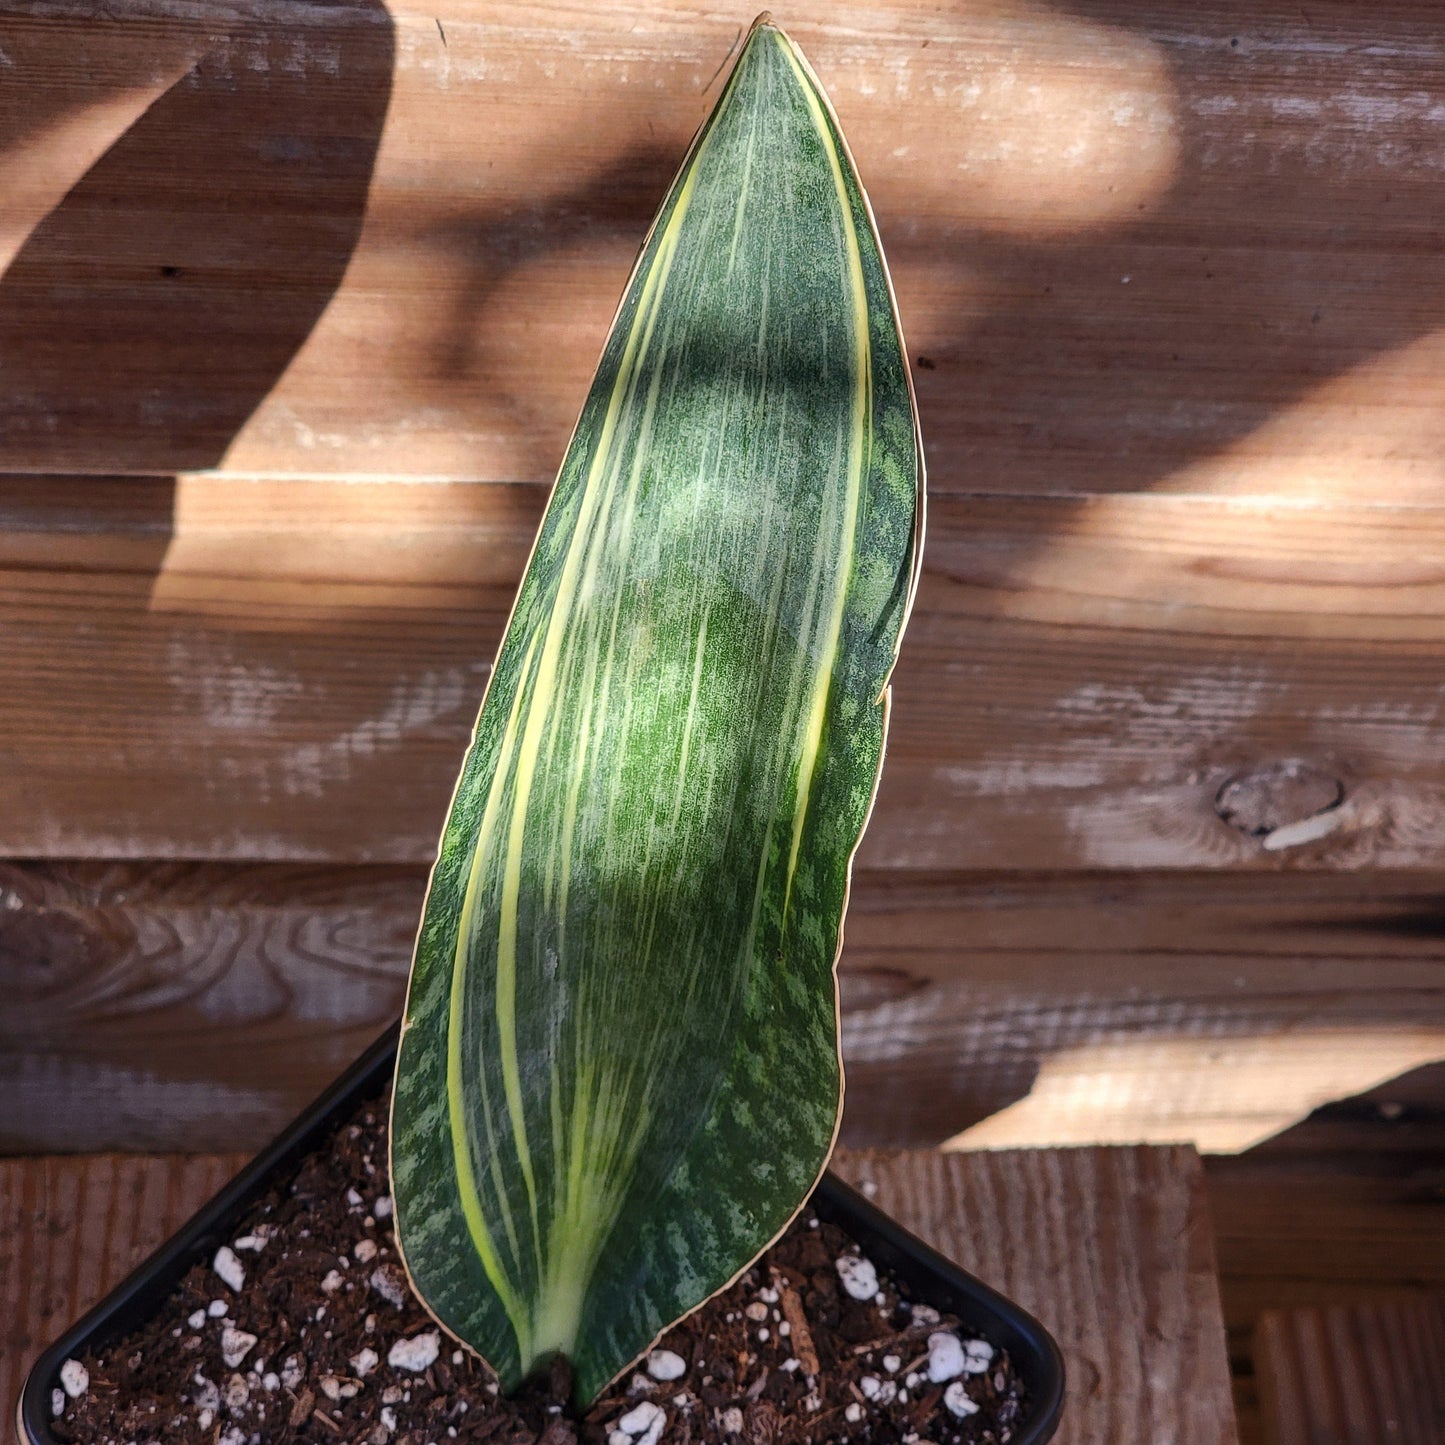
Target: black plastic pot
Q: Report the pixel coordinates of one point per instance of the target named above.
(930, 1277)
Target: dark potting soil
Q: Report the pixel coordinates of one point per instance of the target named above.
(304, 1329)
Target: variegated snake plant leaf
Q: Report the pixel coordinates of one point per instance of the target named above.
(619, 1075)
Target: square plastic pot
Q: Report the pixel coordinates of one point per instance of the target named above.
(929, 1277)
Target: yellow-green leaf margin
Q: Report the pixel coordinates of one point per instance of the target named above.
(619, 1074)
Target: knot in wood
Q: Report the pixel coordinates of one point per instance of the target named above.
(1279, 794)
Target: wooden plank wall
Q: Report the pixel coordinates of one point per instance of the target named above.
(297, 305)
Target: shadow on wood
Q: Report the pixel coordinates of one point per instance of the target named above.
(157, 304)
(1345, 1210)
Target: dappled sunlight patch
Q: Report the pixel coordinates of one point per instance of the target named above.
(1330, 445)
(1223, 1095)
(996, 124)
(288, 553)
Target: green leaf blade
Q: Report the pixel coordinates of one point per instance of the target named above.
(619, 1075)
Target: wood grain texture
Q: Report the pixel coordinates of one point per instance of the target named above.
(167, 1006)
(190, 1006)
(1346, 1208)
(72, 1228)
(1080, 682)
(1121, 1276)
(1111, 1249)
(1136, 247)
(1365, 1374)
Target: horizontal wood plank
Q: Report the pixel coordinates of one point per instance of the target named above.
(179, 1006)
(219, 668)
(1126, 1285)
(1136, 247)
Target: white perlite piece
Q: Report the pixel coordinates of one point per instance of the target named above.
(383, 1207)
(732, 1421)
(333, 1281)
(365, 1250)
(883, 1391)
(236, 1345)
(977, 1357)
(57, 1403)
(293, 1371)
(416, 1354)
(643, 1423)
(956, 1398)
(232, 1435)
(924, 1315)
(854, 1413)
(892, 1363)
(364, 1362)
(258, 1238)
(859, 1277)
(196, 1319)
(238, 1391)
(74, 1378)
(946, 1360)
(270, 1382)
(390, 1284)
(230, 1269)
(217, 1309)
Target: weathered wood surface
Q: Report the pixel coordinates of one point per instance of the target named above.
(1137, 246)
(262, 669)
(298, 303)
(1343, 1209)
(1365, 1374)
(73, 1228)
(1110, 1248)
(167, 1005)
(1168, 277)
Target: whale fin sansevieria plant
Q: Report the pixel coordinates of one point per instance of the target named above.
(619, 1075)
